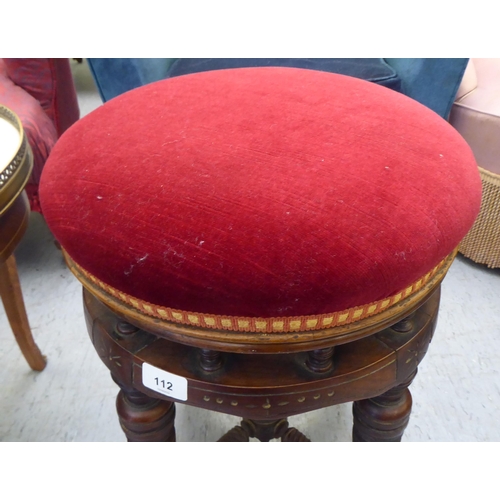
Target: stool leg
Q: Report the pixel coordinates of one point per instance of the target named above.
(238, 434)
(12, 298)
(385, 417)
(264, 430)
(145, 419)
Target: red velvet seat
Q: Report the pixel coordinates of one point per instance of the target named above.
(261, 193)
(272, 214)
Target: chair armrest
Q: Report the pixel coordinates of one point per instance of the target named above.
(50, 82)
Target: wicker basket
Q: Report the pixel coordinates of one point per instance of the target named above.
(482, 243)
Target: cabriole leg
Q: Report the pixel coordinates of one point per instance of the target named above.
(12, 298)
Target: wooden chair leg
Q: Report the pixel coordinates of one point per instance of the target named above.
(12, 298)
(145, 419)
(385, 417)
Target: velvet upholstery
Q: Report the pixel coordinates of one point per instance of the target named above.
(260, 192)
(41, 92)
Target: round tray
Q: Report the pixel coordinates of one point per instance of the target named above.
(14, 174)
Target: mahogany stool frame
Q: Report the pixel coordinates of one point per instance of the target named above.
(264, 379)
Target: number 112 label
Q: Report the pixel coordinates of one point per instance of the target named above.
(164, 382)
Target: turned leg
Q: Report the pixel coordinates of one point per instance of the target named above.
(12, 298)
(385, 417)
(143, 418)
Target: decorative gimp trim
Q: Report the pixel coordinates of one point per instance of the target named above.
(263, 325)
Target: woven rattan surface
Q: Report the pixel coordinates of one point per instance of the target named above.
(482, 243)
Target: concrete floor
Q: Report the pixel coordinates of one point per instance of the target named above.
(456, 393)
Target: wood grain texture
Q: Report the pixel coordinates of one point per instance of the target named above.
(12, 298)
(269, 387)
(145, 419)
(385, 417)
(13, 225)
(264, 431)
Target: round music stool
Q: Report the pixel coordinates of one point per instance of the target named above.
(261, 242)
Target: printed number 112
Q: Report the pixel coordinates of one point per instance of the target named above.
(165, 385)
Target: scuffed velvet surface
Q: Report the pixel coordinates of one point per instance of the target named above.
(260, 192)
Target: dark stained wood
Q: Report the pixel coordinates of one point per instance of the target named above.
(237, 434)
(320, 360)
(293, 435)
(405, 325)
(124, 329)
(145, 419)
(13, 225)
(385, 417)
(272, 386)
(264, 431)
(264, 389)
(210, 361)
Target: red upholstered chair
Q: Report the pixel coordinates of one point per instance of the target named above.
(274, 243)
(42, 93)
(42, 96)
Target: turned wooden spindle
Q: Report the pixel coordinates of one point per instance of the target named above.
(405, 325)
(125, 329)
(211, 361)
(320, 360)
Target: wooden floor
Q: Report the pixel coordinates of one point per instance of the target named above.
(456, 393)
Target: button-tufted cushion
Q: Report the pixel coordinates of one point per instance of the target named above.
(229, 197)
